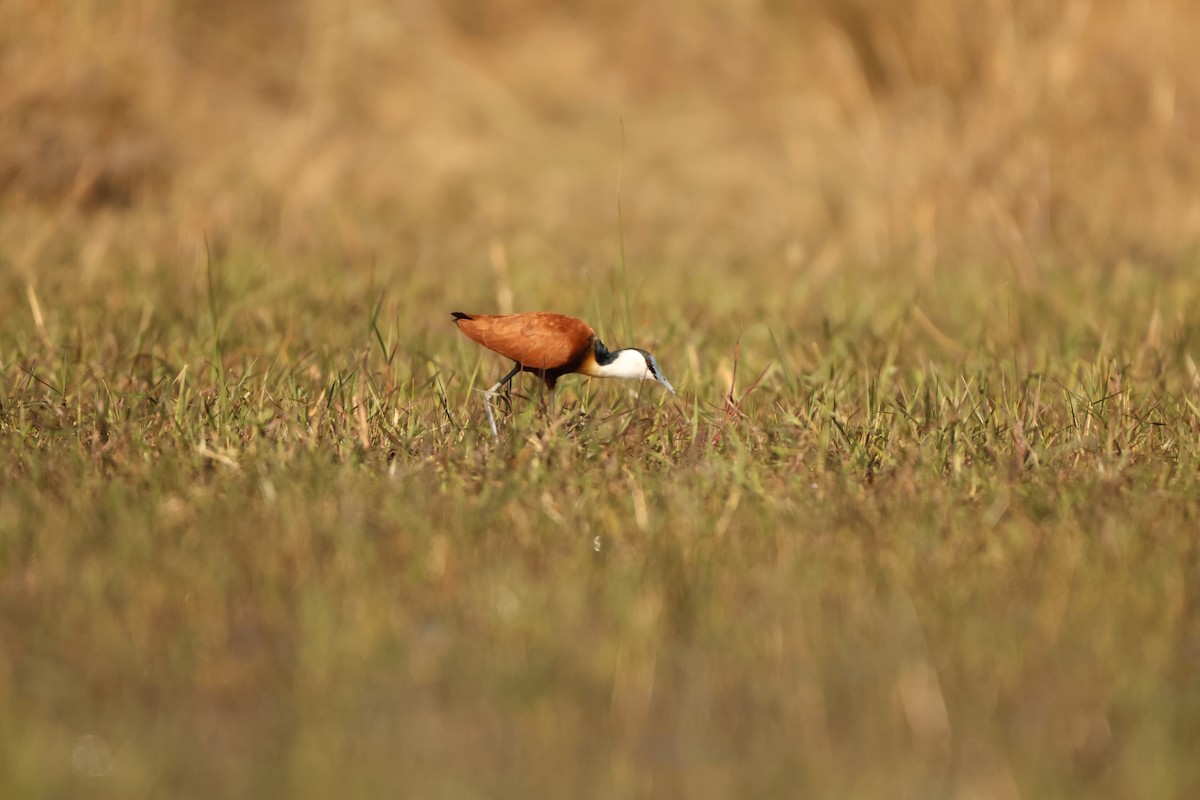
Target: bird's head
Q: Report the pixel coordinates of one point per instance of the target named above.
(633, 363)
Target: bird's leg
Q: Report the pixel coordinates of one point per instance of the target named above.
(548, 406)
(490, 393)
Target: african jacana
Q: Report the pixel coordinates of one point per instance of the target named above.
(552, 345)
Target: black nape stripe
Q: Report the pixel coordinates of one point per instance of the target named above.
(603, 355)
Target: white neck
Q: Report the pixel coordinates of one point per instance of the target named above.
(627, 364)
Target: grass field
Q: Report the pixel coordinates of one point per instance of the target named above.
(921, 522)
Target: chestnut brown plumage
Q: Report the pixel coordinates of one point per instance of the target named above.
(552, 345)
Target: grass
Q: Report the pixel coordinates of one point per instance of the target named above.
(920, 522)
(310, 571)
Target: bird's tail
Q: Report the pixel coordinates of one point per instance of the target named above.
(460, 315)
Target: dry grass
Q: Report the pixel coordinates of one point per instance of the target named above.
(921, 522)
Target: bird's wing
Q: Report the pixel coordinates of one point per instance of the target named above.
(537, 340)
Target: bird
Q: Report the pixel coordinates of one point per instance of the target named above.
(551, 345)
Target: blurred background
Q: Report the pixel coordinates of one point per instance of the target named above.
(423, 138)
(921, 204)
